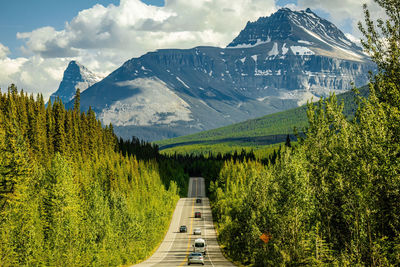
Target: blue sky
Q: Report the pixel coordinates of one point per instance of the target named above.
(39, 37)
(27, 15)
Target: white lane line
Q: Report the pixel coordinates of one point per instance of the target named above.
(204, 221)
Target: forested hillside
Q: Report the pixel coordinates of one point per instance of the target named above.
(255, 133)
(71, 194)
(334, 200)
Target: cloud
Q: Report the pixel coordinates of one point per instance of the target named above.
(345, 12)
(4, 51)
(133, 28)
(33, 74)
(102, 38)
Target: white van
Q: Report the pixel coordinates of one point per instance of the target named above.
(200, 246)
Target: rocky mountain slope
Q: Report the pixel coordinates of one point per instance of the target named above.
(75, 76)
(275, 63)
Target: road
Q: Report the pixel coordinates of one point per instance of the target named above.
(176, 246)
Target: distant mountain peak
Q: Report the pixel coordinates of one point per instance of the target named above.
(75, 76)
(293, 26)
(275, 63)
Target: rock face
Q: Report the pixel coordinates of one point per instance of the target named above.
(75, 76)
(275, 63)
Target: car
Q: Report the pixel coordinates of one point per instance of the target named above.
(197, 214)
(200, 246)
(197, 231)
(183, 229)
(195, 257)
(198, 200)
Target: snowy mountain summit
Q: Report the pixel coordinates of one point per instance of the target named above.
(275, 63)
(298, 33)
(75, 76)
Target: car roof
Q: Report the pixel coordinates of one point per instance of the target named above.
(199, 240)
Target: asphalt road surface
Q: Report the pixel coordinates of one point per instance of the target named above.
(176, 246)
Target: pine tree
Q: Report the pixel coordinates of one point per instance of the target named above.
(77, 101)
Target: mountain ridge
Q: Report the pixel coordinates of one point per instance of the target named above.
(75, 76)
(172, 92)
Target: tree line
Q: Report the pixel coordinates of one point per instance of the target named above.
(334, 199)
(71, 193)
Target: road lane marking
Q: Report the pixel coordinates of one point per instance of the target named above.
(190, 231)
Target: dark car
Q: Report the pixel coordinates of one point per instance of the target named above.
(198, 200)
(183, 229)
(197, 214)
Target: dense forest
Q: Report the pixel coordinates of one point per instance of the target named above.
(72, 194)
(334, 199)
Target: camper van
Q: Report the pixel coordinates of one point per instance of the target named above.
(200, 246)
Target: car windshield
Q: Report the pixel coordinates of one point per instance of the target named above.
(195, 254)
(199, 245)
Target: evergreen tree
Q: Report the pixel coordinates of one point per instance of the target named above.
(77, 101)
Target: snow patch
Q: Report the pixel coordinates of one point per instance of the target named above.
(301, 50)
(304, 42)
(182, 82)
(284, 49)
(274, 51)
(254, 57)
(244, 45)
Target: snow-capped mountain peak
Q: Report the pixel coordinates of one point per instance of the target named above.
(275, 63)
(75, 76)
(303, 30)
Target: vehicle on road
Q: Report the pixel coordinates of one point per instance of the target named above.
(198, 200)
(183, 229)
(197, 214)
(197, 231)
(200, 246)
(195, 257)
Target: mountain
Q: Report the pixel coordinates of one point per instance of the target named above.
(75, 76)
(275, 63)
(266, 130)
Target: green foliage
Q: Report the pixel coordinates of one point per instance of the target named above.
(256, 133)
(70, 196)
(334, 199)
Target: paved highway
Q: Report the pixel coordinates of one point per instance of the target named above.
(176, 246)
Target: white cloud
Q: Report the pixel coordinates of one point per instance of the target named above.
(344, 11)
(4, 51)
(33, 74)
(133, 28)
(102, 38)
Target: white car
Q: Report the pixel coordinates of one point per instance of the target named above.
(200, 246)
(197, 231)
(195, 257)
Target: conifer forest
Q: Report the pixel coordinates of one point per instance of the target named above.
(74, 194)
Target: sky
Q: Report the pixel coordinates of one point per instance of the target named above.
(38, 38)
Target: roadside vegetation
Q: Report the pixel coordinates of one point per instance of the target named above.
(334, 199)
(71, 194)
